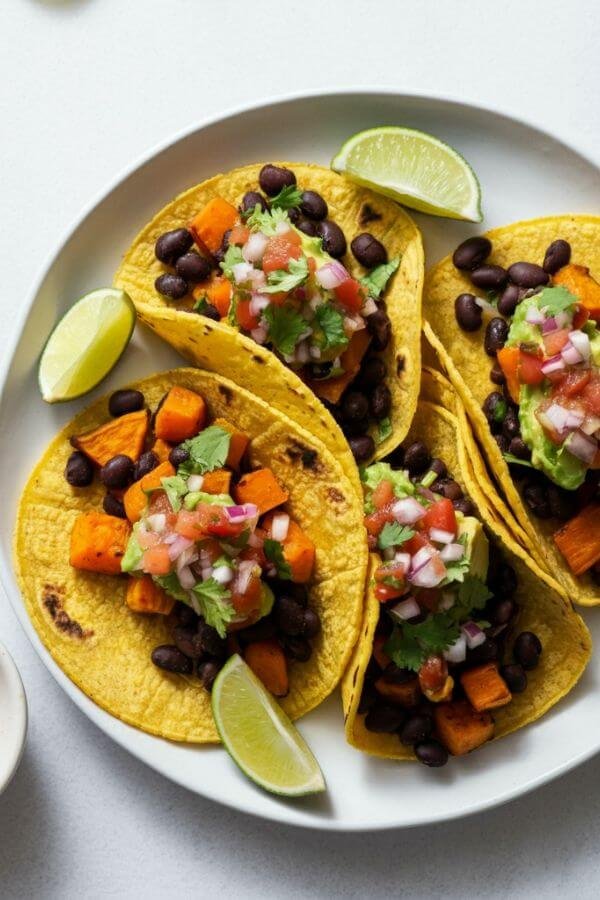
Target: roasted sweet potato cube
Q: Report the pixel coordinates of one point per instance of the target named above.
(261, 488)
(217, 482)
(210, 224)
(237, 445)
(407, 693)
(162, 449)
(579, 282)
(485, 687)
(579, 539)
(298, 550)
(331, 389)
(145, 596)
(136, 498)
(182, 415)
(460, 728)
(98, 542)
(267, 661)
(126, 435)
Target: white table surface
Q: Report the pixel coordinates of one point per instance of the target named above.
(86, 86)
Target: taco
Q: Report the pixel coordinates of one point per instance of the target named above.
(308, 294)
(464, 639)
(514, 316)
(191, 521)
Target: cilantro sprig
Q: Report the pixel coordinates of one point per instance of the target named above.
(394, 535)
(274, 553)
(207, 451)
(213, 600)
(556, 299)
(285, 327)
(378, 277)
(287, 198)
(331, 325)
(287, 279)
(233, 256)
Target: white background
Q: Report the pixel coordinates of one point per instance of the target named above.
(86, 86)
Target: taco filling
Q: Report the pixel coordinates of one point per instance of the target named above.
(545, 414)
(447, 607)
(203, 542)
(270, 267)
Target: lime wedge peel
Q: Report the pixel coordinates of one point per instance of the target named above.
(85, 344)
(259, 736)
(414, 168)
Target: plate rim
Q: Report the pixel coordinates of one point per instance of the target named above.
(18, 696)
(89, 709)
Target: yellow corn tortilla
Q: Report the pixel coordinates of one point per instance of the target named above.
(220, 348)
(565, 639)
(104, 647)
(463, 357)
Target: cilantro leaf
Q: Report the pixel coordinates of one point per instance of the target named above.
(285, 327)
(555, 299)
(436, 633)
(378, 277)
(393, 535)
(473, 593)
(266, 221)
(456, 570)
(170, 584)
(287, 197)
(331, 323)
(499, 411)
(404, 650)
(175, 488)
(207, 451)
(274, 553)
(384, 429)
(213, 600)
(515, 461)
(201, 304)
(233, 256)
(287, 280)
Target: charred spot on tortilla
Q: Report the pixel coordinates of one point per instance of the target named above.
(335, 496)
(226, 393)
(306, 455)
(258, 359)
(399, 365)
(53, 603)
(368, 214)
(207, 329)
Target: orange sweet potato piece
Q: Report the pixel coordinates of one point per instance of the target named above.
(267, 661)
(126, 434)
(98, 542)
(261, 488)
(485, 687)
(579, 282)
(298, 550)
(579, 539)
(162, 449)
(460, 728)
(210, 224)
(237, 445)
(332, 389)
(508, 358)
(135, 498)
(217, 482)
(182, 415)
(145, 596)
(406, 694)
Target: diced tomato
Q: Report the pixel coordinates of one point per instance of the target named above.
(591, 395)
(413, 545)
(256, 554)
(375, 521)
(392, 570)
(249, 601)
(188, 526)
(383, 494)
(312, 264)
(159, 503)
(350, 294)
(530, 368)
(155, 560)
(555, 341)
(433, 673)
(581, 316)
(239, 234)
(571, 384)
(280, 249)
(385, 592)
(440, 515)
(246, 320)
(213, 520)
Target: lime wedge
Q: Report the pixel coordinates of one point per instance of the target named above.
(258, 735)
(86, 344)
(415, 169)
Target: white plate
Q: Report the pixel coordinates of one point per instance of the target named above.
(523, 173)
(13, 717)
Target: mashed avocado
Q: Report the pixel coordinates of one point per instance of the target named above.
(374, 474)
(476, 545)
(556, 462)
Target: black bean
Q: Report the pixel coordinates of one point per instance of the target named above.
(319, 370)
(450, 489)
(354, 406)
(125, 401)
(173, 244)
(193, 267)
(384, 718)
(178, 455)
(207, 672)
(209, 640)
(294, 215)
(210, 311)
(368, 251)
(464, 506)
(185, 615)
(416, 730)
(515, 677)
(502, 611)
(563, 504)
(114, 506)
(313, 206)
(379, 327)
(297, 648)
(372, 371)
(118, 472)
(398, 675)
(432, 754)
(489, 278)
(172, 286)
(471, 253)
(557, 255)
(362, 447)
(289, 616)
(306, 226)
(273, 179)
(527, 649)
(184, 635)
(439, 467)
(263, 630)
(251, 200)
(146, 463)
(468, 313)
(509, 299)
(396, 458)
(169, 657)
(503, 443)
(79, 471)
(503, 580)
(312, 623)
(527, 275)
(334, 240)
(486, 652)
(380, 403)
(417, 458)
(510, 426)
(495, 408)
(496, 374)
(536, 499)
(496, 334)
(368, 697)
(219, 256)
(297, 592)
(519, 448)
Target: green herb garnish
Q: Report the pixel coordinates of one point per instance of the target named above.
(233, 256)
(274, 553)
(207, 451)
(377, 279)
(331, 324)
(287, 198)
(394, 535)
(287, 279)
(285, 327)
(213, 600)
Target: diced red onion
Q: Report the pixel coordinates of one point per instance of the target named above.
(156, 522)
(581, 446)
(195, 482)
(205, 557)
(282, 227)
(554, 364)
(258, 279)
(258, 303)
(170, 538)
(425, 492)
(186, 579)
(440, 536)
(331, 275)
(245, 570)
(549, 325)
(254, 540)
(574, 418)
(280, 526)
(407, 511)
(242, 272)
(259, 334)
(452, 552)
(369, 307)
(255, 246)
(474, 635)
(402, 559)
(147, 539)
(406, 609)
(353, 323)
(457, 653)
(186, 558)
(486, 306)
(421, 558)
(302, 352)
(581, 342)
(222, 574)
(562, 318)
(429, 575)
(315, 351)
(448, 600)
(535, 316)
(591, 424)
(239, 514)
(178, 546)
(557, 415)
(571, 354)
(207, 572)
